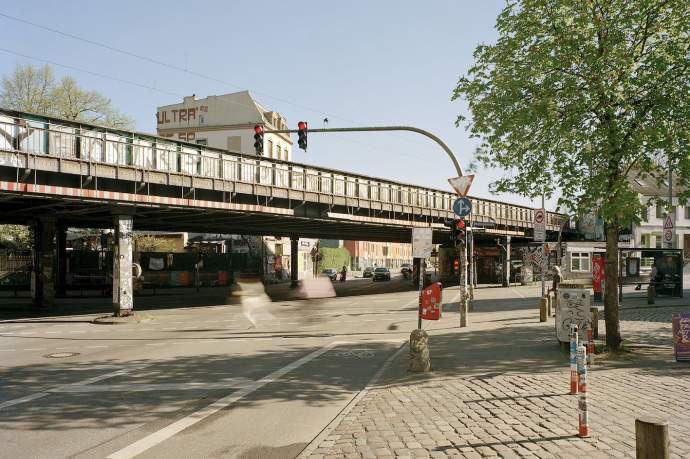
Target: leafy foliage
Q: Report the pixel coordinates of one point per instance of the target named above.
(579, 97)
(35, 90)
(19, 236)
(334, 258)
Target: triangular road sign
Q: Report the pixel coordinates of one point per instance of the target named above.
(668, 224)
(461, 185)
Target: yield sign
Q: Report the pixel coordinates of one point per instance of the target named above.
(461, 185)
(668, 224)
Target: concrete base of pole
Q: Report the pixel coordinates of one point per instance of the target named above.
(420, 360)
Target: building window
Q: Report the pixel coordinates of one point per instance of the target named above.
(202, 141)
(687, 212)
(645, 214)
(646, 240)
(580, 262)
(659, 211)
(269, 153)
(657, 237)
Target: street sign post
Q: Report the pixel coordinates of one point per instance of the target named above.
(462, 207)
(668, 229)
(539, 222)
(421, 248)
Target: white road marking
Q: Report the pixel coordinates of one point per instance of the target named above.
(517, 293)
(37, 395)
(7, 350)
(165, 433)
(228, 383)
(35, 349)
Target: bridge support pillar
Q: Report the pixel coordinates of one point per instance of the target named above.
(294, 261)
(123, 299)
(42, 280)
(506, 264)
(61, 246)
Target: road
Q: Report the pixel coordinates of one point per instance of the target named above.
(239, 376)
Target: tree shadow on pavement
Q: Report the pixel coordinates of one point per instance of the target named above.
(334, 375)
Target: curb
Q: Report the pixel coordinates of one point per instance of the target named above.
(130, 319)
(312, 445)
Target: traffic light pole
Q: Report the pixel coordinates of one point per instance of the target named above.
(464, 298)
(428, 134)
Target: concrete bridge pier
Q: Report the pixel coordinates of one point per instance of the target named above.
(294, 260)
(61, 252)
(506, 263)
(123, 288)
(42, 280)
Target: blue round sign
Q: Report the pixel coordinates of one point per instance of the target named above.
(462, 207)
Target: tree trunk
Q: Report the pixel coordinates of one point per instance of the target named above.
(613, 332)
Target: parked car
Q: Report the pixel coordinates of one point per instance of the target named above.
(406, 268)
(330, 273)
(382, 274)
(368, 272)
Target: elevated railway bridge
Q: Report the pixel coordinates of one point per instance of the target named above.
(56, 173)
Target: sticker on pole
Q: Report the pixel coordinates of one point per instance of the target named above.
(462, 207)
(668, 235)
(461, 185)
(421, 242)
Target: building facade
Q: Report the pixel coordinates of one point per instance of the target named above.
(378, 254)
(226, 122)
(650, 232)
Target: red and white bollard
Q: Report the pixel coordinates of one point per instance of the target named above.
(573, 359)
(583, 405)
(590, 345)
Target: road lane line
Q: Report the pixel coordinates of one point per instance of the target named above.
(28, 398)
(165, 433)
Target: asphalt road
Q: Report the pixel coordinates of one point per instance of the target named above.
(212, 374)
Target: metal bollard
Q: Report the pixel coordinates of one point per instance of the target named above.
(573, 359)
(548, 305)
(595, 321)
(590, 345)
(583, 406)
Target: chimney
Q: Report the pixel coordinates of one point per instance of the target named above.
(189, 99)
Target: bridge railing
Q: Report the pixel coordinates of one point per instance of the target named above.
(59, 138)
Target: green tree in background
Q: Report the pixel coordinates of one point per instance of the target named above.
(334, 258)
(35, 90)
(18, 236)
(578, 98)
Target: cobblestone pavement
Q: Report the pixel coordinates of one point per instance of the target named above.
(500, 389)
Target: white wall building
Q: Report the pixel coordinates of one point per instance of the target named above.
(650, 232)
(225, 122)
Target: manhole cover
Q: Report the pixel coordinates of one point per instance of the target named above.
(61, 355)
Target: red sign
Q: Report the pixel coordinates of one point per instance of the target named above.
(597, 271)
(431, 302)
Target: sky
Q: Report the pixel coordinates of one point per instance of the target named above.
(358, 63)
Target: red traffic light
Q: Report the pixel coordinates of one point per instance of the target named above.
(456, 264)
(258, 129)
(460, 224)
(301, 125)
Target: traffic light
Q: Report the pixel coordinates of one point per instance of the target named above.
(461, 231)
(302, 135)
(456, 267)
(259, 140)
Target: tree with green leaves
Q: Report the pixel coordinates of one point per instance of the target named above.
(577, 98)
(35, 90)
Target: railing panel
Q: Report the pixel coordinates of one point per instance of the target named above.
(326, 183)
(350, 187)
(230, 168)
(166, 157)
(92, 146)
(247, 170)
(282, 179)
(384, 193)
(375, 191)
(32, 137)
(297, 178)
(363, 188)
(142, 154)
(210, 164)
(8, 132)
(338, 185)
(266, 173)
(116, 151)
(62, 141)
(312, 176)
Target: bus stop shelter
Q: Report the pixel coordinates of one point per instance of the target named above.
(635, 269)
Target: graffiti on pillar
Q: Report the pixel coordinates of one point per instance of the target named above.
(573, 307)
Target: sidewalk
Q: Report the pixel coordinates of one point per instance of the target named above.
(500, 389)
